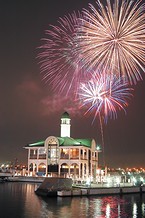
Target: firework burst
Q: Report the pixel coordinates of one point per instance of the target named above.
(104, 94)
(59, 65)
(113, 36)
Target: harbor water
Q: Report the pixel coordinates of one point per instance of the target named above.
(18, 200)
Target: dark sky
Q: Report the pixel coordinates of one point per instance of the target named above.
(30, 111)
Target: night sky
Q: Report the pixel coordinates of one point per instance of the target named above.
(30, 111)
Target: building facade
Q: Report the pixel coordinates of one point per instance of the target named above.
(64, 155)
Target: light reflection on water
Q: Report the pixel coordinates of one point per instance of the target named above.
(19, 200)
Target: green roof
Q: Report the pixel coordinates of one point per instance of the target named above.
(64, 141)
(65, 115)
(67, 141)
(36, 144)
(85, 142)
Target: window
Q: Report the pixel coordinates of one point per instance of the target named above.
(74, 153)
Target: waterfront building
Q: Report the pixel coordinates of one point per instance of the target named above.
(64, 155)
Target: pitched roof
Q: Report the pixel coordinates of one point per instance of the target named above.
(64, 141)
(65, 115)
(36, 144)
(85, 142)
(67, 141)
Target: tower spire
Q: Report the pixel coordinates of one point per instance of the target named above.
(65, 125)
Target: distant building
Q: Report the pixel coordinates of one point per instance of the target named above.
(64, 155)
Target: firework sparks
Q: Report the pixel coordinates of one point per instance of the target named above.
(104, 94)
(113, 36)
(58, 63)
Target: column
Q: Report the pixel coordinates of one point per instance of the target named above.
(69, 170)
(37, 153)
(47, 160)
(28, 161)
(37, 167)
(79, 170)
(82, 171)
(33, 169)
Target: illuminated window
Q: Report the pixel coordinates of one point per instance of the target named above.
(74, 153)
(64, 153)
(53, 153)
(33, 154)
(42, 151)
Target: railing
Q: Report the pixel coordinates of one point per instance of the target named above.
(74, 157)
(84, 157)
(33, 156)
(94, 159)
(42, 156)
(64, 156)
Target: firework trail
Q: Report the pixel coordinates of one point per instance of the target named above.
(59, 65)
(112, 36)
(104, 94)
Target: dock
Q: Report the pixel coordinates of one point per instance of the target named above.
(33, 179)
(5, 176)
(64, 187)
(101, 191)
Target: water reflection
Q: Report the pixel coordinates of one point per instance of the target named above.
(99, 207)
(19, 200)
(134, 212)
(143, 209)
(108, 206)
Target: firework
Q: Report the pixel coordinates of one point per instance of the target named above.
(59, 64)
(112, 36)
(104, 94)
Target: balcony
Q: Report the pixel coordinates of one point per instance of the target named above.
(42, 156)
(34, 156)
(74, 157)
(64, 156)
(84, 157)
(95, 159)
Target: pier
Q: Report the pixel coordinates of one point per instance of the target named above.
(101, 191)
(63, 187)
(5, 176)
